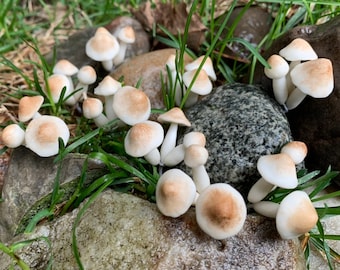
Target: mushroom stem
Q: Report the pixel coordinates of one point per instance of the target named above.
(259, 190)
(169, 142)
(107, 65)
(280, 90)
(175, 156)
(266, 208)
(119, 58)
(200, 177)
(153, 157)
(108, 107)
(295, 98)
(101, 120)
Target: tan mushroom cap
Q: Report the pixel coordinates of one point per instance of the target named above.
(102, 46)
(194, 137)
(296, 215)
(297, 150)
(202, 84)
(13, 136)
(175, 193)
(64, 66)
(195, 155)
(42, 135)
(314, 78)
(92, 107)
(87, 74)
(56, 83)
(207, 66)
(298, 50)
(279, 67)
(126, 34)
(131, 105)
(28, 107)
(143, 137)
(174, 115)
(220, 211)
(278, 169)
(108, 86)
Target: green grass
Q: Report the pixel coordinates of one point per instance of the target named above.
(19, 25)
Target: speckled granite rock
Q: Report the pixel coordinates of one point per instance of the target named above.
(29, 183)
(315, 121)
(121, 231)
(241, 123)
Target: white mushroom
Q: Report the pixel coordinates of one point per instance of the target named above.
(55, 85)
(297, 150)
(296, 215)
(175, 193)
(86, 76)
(65, 67)
(13, 136)
(43, 133)
(298, 50)
(220, 211)
(125, 35)
(29, 107)
(208, 66)
(93, 109)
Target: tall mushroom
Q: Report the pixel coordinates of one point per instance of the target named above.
(125, 35)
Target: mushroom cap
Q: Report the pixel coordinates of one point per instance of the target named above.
(298, 50)
(220, 211)
(92, 107)
(143, 137)
(175, 193)
(279, 67)
(42, 135)
(87, 75)
(296, 215)
(102, 46)
(202, 84)
(131, 105)
(13, 136)
(126, 34)
(278, 169)
(64, 66)
(174, 115)
(297, 150)
(195, 155)
(56, 83)
(207, 66)
(194, 137)
(107, 87)
(314, 78)
(28, 106)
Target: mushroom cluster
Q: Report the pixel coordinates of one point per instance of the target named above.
(295, 214)
(297, 72)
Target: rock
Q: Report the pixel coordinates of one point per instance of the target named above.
(241, 123)
(29, 182)
(147, 68)
(316, 121)
(121, 231)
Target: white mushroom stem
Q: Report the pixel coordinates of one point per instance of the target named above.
(295, 98)
(259, 190)
(280, 90)
(175, 156)
(108, 107)
(119, 58)
(101, 120)
(169, 142)
(266, 208)
(290, 85)
(200, 177)
(107, 65)
(153, 157)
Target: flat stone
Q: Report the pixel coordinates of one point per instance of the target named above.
(315, 121)
(121, 231)
(241, 123)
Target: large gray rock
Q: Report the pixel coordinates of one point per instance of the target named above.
(29, 182)
(121, 231)
(241, 123)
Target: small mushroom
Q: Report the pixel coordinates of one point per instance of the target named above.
(86, 76)
(13, 136)
(143, 139)
(296, 215)
(93, 109)
(29, 107)
(195, 157)
(175, 193)
(278, 70)
(125, 35)
(131, 105)
(208, 66)
(313, 78)
(65, 67)
(55, 85)
(259, 190)
(194, 137)
(298, 50)
(220, 211)
(202, 84)
(278, 169)
(297, 150)
(43, 133)
(266, 208)
(174, 117)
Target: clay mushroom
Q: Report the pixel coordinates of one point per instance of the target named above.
(175, 193)
(29, 107)
(86, 76)
(143, 139)
(55, 85)
(93, 109)
(125, 35)
(13, 136)
(297, 150)
(43, 133)
(207, 66)
(220, 211)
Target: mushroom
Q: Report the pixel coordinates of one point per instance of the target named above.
(107, 88)
(259, 190)
(131, 105)
(296, 215)
(55, 85)
(102, 47)
(266, 208)
(175, 117)
(42, 135)
(194, 137)
(143, 139)
(125, 35)
(220, 211)
(13, 136)
(202, 84)
(29, 107)
(86, 75)
(195, 157)
(65, 67)
(207, 66)
(278, 70)
(175, 193)
(93, 109)
(298, 50)
(296, 150)
(314, 78)
(278, 169)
